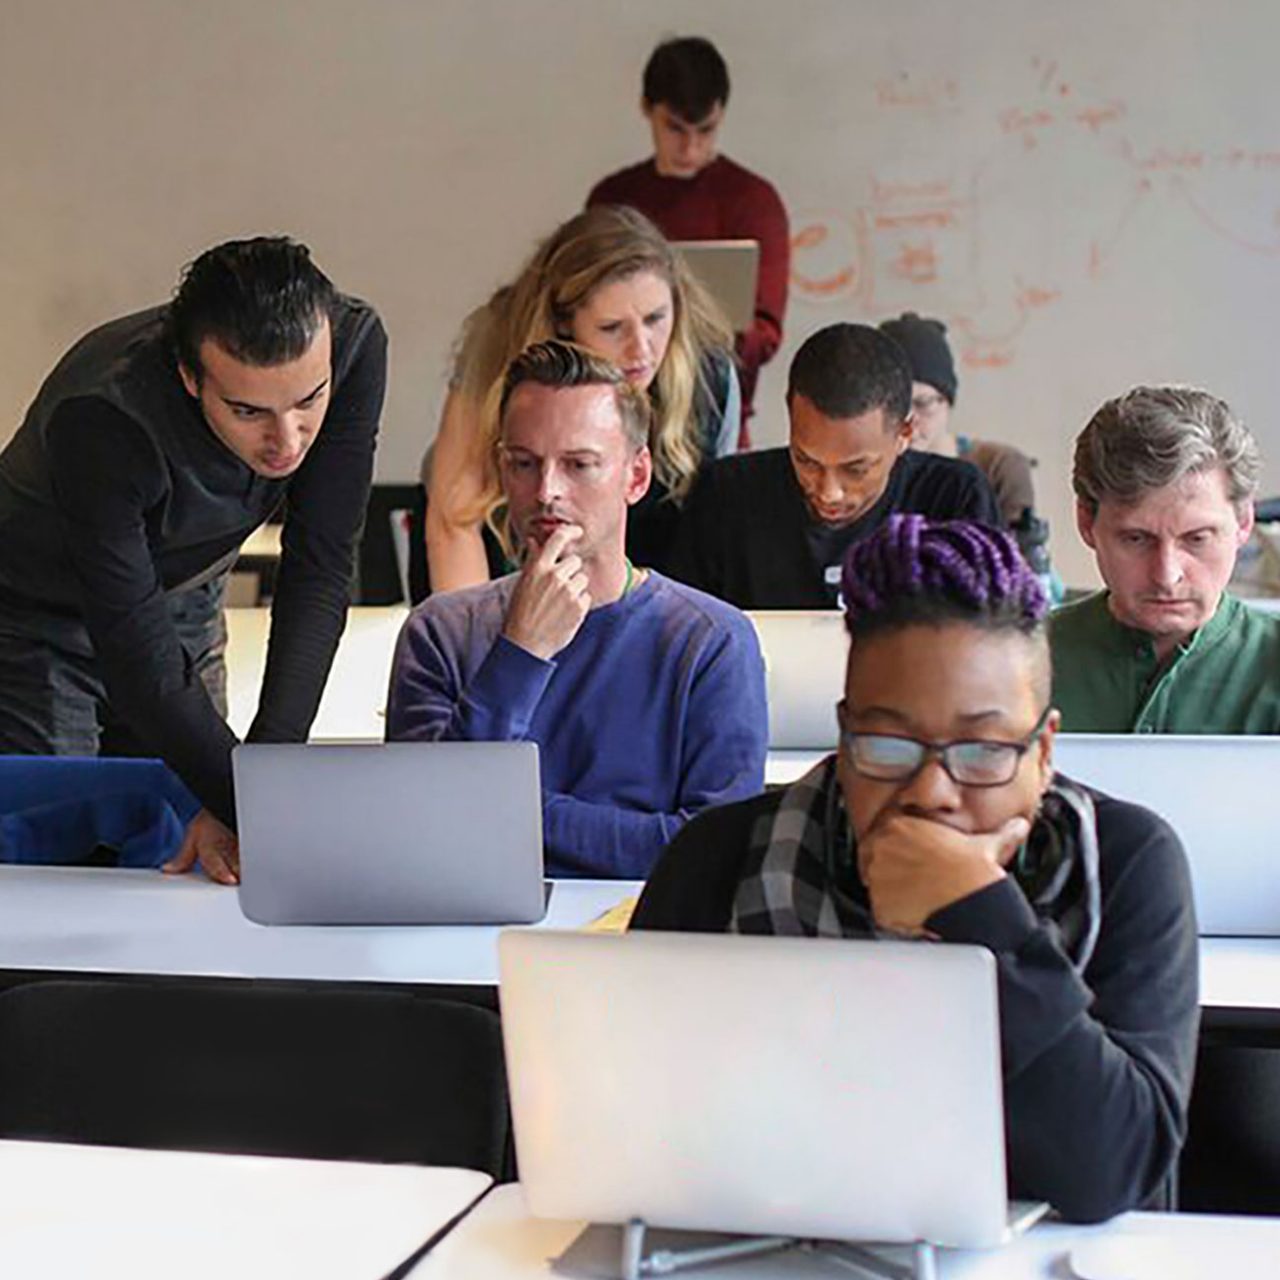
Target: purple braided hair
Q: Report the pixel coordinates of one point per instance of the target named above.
(956, 566)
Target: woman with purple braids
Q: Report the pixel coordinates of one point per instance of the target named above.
(941, 818)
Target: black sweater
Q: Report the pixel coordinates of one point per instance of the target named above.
(744, 537)
(115, 491)
(1097, 1068)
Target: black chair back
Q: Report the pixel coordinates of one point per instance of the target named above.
(1231, 1162)
(340, 1075)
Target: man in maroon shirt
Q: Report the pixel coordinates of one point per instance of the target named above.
(693, 193)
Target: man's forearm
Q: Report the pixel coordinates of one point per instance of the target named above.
(585, 838)
(308, 616)
(497, 704)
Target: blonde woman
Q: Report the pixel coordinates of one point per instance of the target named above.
(608, 280)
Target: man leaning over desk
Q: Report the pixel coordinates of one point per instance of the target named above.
(645, 697)
(1165, 479)
(155, 447)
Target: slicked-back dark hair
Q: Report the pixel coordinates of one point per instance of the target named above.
(688, 76)
(846, 370)
(262, 300)
(913, 571)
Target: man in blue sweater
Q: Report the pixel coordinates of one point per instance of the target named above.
(645, 697)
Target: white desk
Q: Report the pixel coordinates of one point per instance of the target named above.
(141, 922)
(355, 696)
(264, 543)
(354, 702)
(255, 568)
(85, 920)
(499, 1241)
(69, 1211)
(1240, 973)
(781, 768)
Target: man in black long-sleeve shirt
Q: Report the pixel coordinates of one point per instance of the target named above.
(154, 448)
(769, 530)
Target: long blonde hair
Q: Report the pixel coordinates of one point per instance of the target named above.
(604, 244)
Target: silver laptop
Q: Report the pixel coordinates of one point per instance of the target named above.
(397, 833)
(770, 1086)
(805, 652)
(1220, 794)
(727, 270)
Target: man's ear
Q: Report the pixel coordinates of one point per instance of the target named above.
(646, 108)
(902, 436)
(1044, 747)
(190, 380)
(1085, 517)
(640, 475)
(1245, 515)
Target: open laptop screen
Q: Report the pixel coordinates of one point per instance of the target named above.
(396, 833)
(830, 1089)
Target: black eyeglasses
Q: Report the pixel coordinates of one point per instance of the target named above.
(887, 757)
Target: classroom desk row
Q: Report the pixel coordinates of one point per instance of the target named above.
(71, 1211)
(88, 920)
(351, 709)
(106, 921)
(498, 1240)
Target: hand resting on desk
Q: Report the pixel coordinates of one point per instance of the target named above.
(211, 844)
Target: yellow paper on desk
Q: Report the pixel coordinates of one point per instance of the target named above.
(615, 920)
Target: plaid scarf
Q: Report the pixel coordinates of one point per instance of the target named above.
(801, 876)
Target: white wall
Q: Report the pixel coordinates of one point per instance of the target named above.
(1090, 193)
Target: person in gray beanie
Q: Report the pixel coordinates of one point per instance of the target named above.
(933, 395)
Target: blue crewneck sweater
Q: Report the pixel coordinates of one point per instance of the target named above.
(655, 710)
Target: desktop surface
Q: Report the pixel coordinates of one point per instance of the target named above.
(781, 768)
(72, 1211)
(354, 701)
(80, 920)
(86, 920)
(499, 1240)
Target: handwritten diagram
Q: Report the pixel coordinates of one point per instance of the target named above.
(1066, 183)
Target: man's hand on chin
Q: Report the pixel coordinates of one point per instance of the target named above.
(551, 598)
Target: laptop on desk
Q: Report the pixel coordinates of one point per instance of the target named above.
(388, 834)
(805, 652)
(1219, 793)
(838, 1090)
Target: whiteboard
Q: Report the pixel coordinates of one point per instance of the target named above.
(1089, 194)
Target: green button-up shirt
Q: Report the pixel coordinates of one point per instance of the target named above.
(1107, 678)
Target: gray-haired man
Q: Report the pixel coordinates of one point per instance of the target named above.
(1165, 479)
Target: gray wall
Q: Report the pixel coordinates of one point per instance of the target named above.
(1090, 194)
